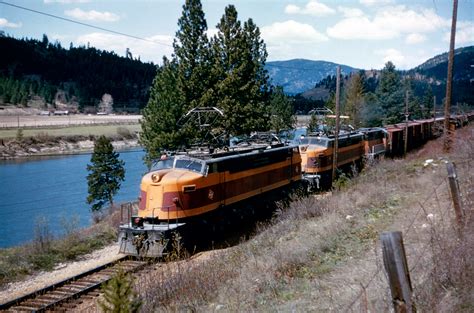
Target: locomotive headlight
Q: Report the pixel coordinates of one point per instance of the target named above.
(155, 178)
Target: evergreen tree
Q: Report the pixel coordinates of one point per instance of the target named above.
(372, 114)
(414, 103)
(428, 102)
(282, 116)
(119, 296)
(312, 124)
(160, 131)
(106, 172)
(354, 99)
(191, 50)
(390, 94)
(242, 85)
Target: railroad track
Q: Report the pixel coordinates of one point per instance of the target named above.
(58, 297)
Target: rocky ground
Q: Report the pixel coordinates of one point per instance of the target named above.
(11, 149)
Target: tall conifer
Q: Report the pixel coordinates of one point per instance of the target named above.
(191, 50)
(390, 94)
(282, 116)
(354, 98)
(242, 88)
(160, 131)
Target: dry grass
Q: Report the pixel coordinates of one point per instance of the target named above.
(322, 253)
(45, 251)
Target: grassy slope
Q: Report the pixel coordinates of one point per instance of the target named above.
(322, 253)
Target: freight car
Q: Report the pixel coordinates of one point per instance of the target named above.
(194, 186)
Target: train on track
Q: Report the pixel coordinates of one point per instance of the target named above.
(191, 186)
(186, 187)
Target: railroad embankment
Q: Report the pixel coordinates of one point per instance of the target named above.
(323, 253)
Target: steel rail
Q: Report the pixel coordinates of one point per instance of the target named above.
(72, 288)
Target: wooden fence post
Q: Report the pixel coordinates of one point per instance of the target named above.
(395, 263)
(455, 194)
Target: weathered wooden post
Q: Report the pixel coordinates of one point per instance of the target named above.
(395, 263)
(455, 194)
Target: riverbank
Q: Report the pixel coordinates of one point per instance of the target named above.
(15, 149)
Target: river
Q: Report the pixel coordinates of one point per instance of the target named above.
(54, 189)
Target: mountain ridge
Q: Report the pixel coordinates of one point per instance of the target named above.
(299, 75)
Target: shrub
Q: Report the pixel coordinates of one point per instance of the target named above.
(119, 295)
(124, 132)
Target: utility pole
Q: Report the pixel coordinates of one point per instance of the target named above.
(336, 136)
(405, 139)
(449, 79)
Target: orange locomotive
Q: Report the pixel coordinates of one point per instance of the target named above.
(191, 186)
(353, 147)
(317, 156)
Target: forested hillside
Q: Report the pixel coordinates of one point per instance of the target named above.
(32, 69)
(377, 97)
(434, 70)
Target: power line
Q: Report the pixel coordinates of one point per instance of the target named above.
(84, 24)
(123, 34)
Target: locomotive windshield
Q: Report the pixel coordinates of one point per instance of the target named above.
(163, 164)
(318, 141)
(194, 165)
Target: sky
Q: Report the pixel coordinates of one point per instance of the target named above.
(359, 33)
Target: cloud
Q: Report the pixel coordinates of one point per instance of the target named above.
(5, 23)
(291, 31)
(406, 60)
(359, 28)
(66, 1)
(415, 38)
(388, 23)
(147, 51)
(92, 15)
(391, 54)
(286, 39)
(313, 7)
(464, 33)
(350, 12)
(375, 2)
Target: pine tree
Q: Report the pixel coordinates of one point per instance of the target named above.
(119, 296)
(282, 116)
(106, 172)
(160, 131)
(427, 101)
(354, 99)
(242, 85)
(312, 124)
(191, 50)
(390, 94)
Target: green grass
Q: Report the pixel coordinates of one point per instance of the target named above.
(96, 130)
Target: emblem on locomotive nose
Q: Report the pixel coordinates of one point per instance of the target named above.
(210, 195)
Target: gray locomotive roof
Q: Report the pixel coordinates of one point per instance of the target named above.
(236, 153)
